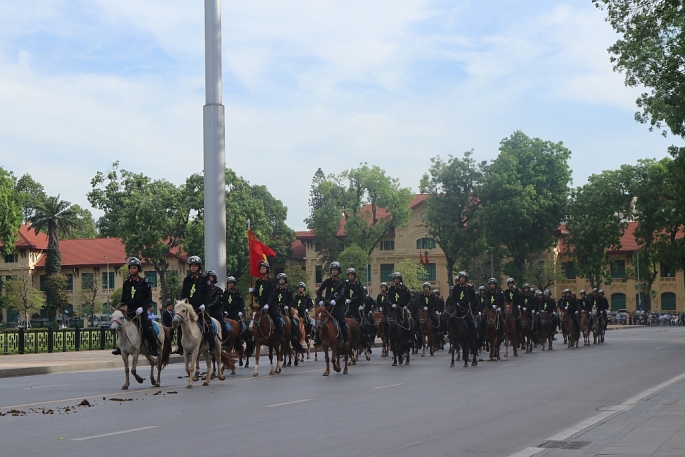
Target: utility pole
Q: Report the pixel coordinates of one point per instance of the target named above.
(214, 147)
(639, 295)
(109, 306)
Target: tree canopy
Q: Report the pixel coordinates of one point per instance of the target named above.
(10, 212)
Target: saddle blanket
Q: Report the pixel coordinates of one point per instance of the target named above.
(156, 327)
(199, 324)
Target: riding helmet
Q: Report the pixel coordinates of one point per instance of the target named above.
(301, 284)
(396, 275)
(211, 273)
(133, 262)
(464, 274)
(566, 291)
(526, 286)
(481, 288)
(384, 284)
(547, 292)
(231, 279)
(264, 263)
(582, 292)
(334, 266)
(538, 292)
(436, 292)
(366, 290)
(595, 291)
(511, 281)
(426, 284)
(194, 260)
(601, 292)
(492, 281)
(412, 291)
(351, 271)
(282, 276)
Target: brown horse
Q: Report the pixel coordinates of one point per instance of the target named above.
(332, 339)
(546, 330)
(492, 332)
(570, 330)
(378, 322)
(427, 337)
(527, 330)
(262, 328)
(355, 340)
(511, 336)
(585, 327)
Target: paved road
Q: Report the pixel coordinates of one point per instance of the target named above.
(495, 409)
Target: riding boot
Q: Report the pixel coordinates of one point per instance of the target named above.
(279, 329)
(345, 330)
(117, 351)
(152, 342)
(211, 339)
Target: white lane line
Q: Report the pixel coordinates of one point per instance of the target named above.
(660, 347)
(86, 438)
(391, 385)
(625, 406)
(463, 372)
(528, 452)
(508, 365)
(289, 403)
(46, 387)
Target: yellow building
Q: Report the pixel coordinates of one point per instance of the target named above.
(90, 265)
(397, 245)
(622, 292)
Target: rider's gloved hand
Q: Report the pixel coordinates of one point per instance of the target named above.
(361, 308)
(139, 311)
(250, 290)
(425, 308)
(266, 307)
(306, 311)
(202, 307)
(333, 302)
(240, 314)
(348, 301)
(285, 308)
(321, 303)
(394, 305)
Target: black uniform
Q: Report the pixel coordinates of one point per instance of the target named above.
(529, 302)
(464, 297)
(354, 292)
(398, 296)
(303, 302)
(281, 296)
(263, 289)
(137, 293)
(194, 289)
(496, 298)
(382, 302)
(332, 290)
(214, 308)
(570, 305)
(233, 302)
(429, 301)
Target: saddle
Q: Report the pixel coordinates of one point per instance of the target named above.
(204, 330)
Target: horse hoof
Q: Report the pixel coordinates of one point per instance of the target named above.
(255, 374)
(296, 363)
(345, 371)
(326, 373)
(205, 384)
(451, 365)
(474, 364)
(423, 355)
(271, 373)
(337, 369)
(368, 358)
(157, 384)
(466, 364)
(124, 387)
(394, 364)
(222, 377)
(241, 363)
(195, 378)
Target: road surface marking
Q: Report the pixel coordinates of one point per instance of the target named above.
(289, 403)
(528, 452)
(46, 387)
(661, 347)
(507, 365)
(625, 406)
(115, 433)
(391, 385)
(463, 372)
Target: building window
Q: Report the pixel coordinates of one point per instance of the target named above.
(319, 274)
(42, 282)
(668, 301)
(87, 280)
(569, 270)
(666, 271)
(368, 273)
(387, 245)
(430, 273)
(618, 301)
(425, 243)
(108, 280)
(70, 282)
(618, 269)
(387, 271)
(11, 258)
(318, 246)
(151, 278)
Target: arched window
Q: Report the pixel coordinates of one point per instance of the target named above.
(668, 301)
(425, 243)
(618, 301)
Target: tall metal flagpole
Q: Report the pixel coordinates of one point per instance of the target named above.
(214, 147)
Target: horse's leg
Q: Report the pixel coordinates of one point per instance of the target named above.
(348, 350)
(208, 360)
(452, 353)
(257, 350)
(152, 369)
(327, 371)
(217, 350)
(134, 364)
(187, 361)
(280, 352)
(466, 354)
(271, 360)
(506, 346)
(124, 356)
(515, 344)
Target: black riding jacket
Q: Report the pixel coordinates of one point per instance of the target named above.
(213, 303)
(465, 296)
(549, 305)
(382, 302)
(263, 289)
(303, 302)
(330, 289)
(354, 291)
(439, 303)
(427, 301)
(482, 302)
(233, 303)
(369, 305)
(529, 302)
(495, 298)
(413, 305)
(512, 296)
(136, 293)
(569, 305)
(280, 297)
(398, 295)
(194, 289)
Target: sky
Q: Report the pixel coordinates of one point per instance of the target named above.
(307, 84)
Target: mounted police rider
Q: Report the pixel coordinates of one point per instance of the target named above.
(214, 307)
(331, 293)
(280, 301)
(513, 296)
(464, 297)
(429, 304)
(303, 303)
(495, 300)
(233, 306)
(398, 296)
(529, 305)
(262, 290)
(354, 295)
(136, 293)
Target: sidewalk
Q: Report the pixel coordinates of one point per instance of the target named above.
(651, 427)
(63, 362)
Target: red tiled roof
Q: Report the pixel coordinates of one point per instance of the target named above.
(380, 212)
(299, 250)
(28, 239)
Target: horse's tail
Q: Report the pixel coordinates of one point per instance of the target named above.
(227, 360)
(166, 347)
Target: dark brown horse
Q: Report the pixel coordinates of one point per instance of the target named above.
(492, 330)
(262, 328)
(378, 322)
(427, 337)
(399, 334)
(546, 330)
(332, 339)
(511, 336)
(585, 327)
(572, 331)
(527, 330)
(460, 336)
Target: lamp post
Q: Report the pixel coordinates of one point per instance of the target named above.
(108, 304)
(214, 146)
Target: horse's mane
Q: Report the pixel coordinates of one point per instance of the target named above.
(323, 308)
(192, 315)
(121, 306)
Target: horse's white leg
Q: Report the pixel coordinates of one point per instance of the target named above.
(217, 350)
(193, 361)
(257, 351)
(124, 356)
(208, 359)
(134, 364)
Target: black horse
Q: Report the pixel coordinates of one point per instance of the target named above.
(399, 334)
(461, 335)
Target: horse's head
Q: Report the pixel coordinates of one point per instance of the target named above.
(423, 314)
(118, 320)
(322, 315)
(377, 317)
(255, 312)
(183, 311)
(507, 308)
(544, 317)
(393, 315)
(491, 316)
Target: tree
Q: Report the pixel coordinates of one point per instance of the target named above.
(21, 296)
(651, 52)
(10, 213)
(354, 257)
(671, 242)
(54, 216)
(85, 224)
(523, 197)
(324, 218)
(30, 194)
(296, 274)
(451, 206)
(55, 287)
(149, 216)
(595, 222)
(543, 272)
(89, 295)
(413, 274)
(174, 284)
(369, 202)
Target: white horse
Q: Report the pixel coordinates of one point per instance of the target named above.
(130, 343)
(193, 343)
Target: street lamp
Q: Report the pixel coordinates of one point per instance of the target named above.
(108, 304)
